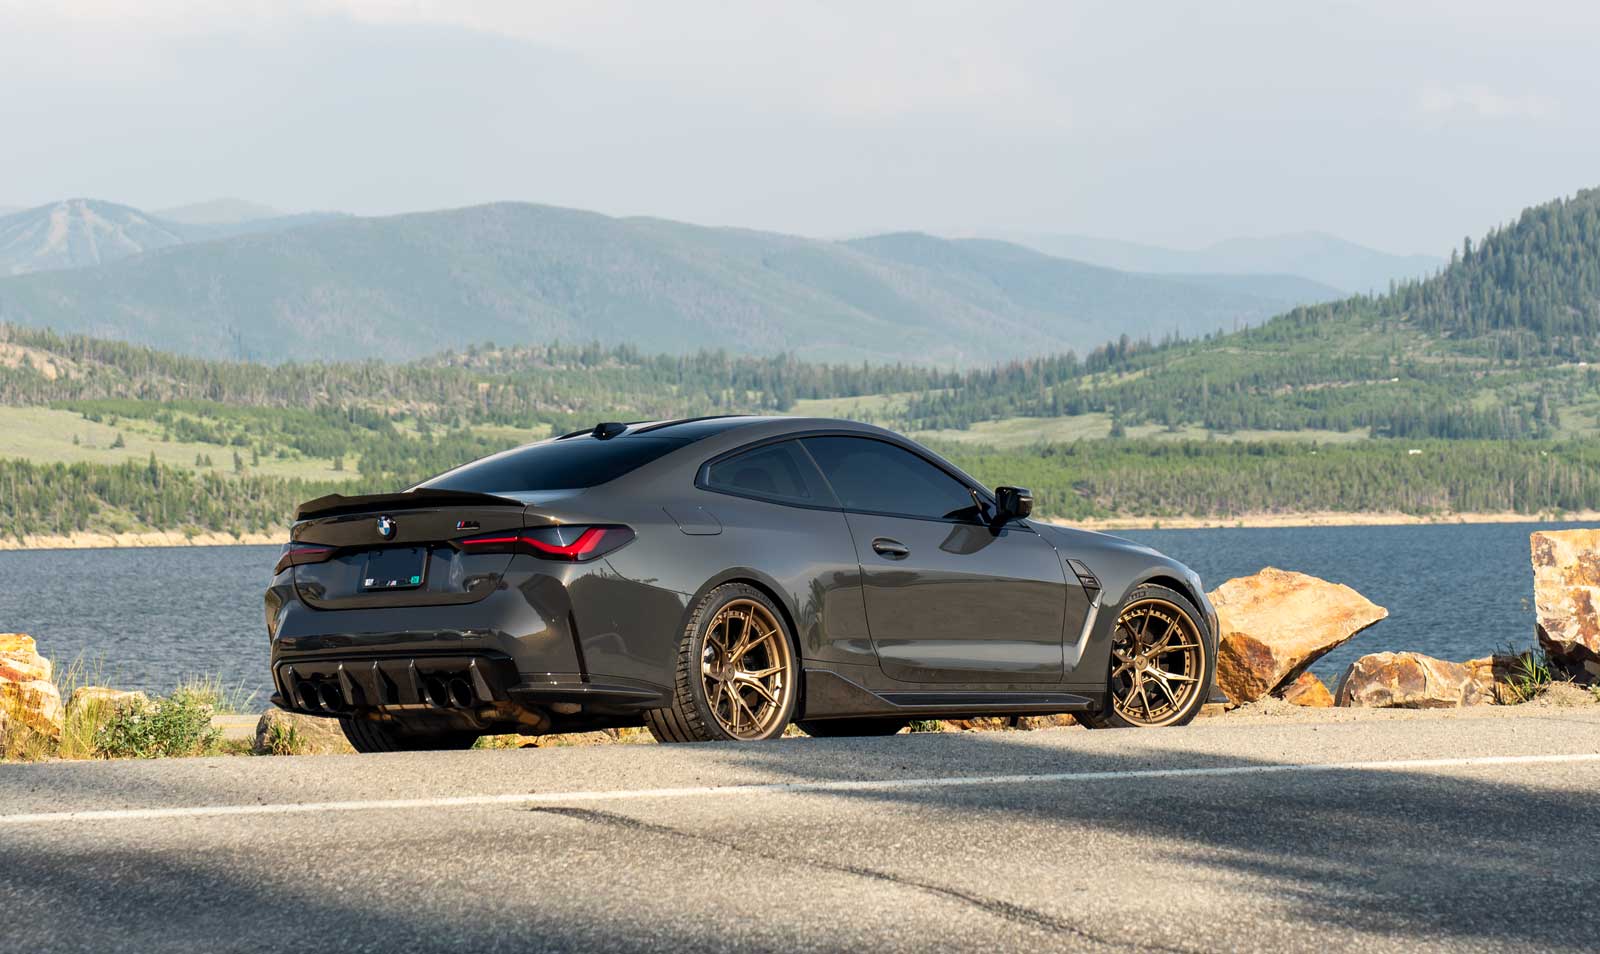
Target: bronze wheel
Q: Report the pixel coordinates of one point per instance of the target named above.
(1161, 662)
(738, 676)
(1157, 662)
(744, 669)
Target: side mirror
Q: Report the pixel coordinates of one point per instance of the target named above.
(1013, 503)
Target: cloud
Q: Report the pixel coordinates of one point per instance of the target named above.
(1480, 103)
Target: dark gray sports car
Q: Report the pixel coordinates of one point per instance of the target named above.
(720, 578)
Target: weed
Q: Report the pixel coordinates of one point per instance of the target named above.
(1532, 674)
(926, 725)
(501, 742)
(284, 739)
(179, 724)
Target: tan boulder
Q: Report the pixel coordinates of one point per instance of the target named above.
(26, 689)
(1407, 681)
(1493, 676)
(1566, 593)
(1276, 623)
(1308, 691)
(104, 696)
(289, 733)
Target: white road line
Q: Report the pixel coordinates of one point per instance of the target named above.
(775, 788)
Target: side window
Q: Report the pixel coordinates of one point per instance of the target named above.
(877, 476)
(780, 472)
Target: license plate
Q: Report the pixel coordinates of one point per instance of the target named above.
(400, 569)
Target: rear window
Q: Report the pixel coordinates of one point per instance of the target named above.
(780, 472)
(572, 464)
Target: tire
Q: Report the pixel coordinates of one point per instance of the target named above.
(368, 737)
(1136, 663)
(845, 728)
(717, 695)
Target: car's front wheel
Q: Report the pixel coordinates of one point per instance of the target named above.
(737, 677)
(1162, 661)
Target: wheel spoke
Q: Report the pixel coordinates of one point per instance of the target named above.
(743, 679)
(1173, 676)
(1159, 679)
(746, 645)
(1166, 637)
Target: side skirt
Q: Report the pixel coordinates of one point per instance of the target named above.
(832, 696)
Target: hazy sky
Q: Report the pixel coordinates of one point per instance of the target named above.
(1403, 125)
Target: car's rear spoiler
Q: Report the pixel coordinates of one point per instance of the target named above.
(335, 504)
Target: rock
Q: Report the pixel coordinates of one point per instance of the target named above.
(983, 724)
(1566, 594)
(289, 733)
(1307, 691)
(104, 696)
(1493, 676)
(26, 689)
(1407, 681)
(1006, 723)
(1276, 623)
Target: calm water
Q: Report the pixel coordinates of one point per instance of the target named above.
(153, 616)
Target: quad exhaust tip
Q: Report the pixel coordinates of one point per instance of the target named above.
(442, 691)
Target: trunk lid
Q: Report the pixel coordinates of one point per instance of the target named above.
(390, 550)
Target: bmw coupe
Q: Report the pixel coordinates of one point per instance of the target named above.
(719, 579)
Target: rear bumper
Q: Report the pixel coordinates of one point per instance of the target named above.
(330, 685)
(517, 649)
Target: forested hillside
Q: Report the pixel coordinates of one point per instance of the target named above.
(1468, 391)
(1533, 287)
(1497, 345)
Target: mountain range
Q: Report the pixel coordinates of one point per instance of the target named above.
(80, 233)
(337, 287)
(1332, 262)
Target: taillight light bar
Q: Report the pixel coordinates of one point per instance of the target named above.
(298, 554)
(570, 544)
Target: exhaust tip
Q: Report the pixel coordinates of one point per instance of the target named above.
(437, 692)
(307, 697)
(332, 698)
(461, 693)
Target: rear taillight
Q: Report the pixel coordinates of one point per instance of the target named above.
(570, 544)
(297, 554)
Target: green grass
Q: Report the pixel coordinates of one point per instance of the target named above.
(871, 408)
(1533, 674)
(51, 434)
(1015, 433)
(221, 697)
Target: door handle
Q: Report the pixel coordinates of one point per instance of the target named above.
(893, 549)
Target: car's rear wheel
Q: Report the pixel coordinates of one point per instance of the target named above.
(845, 728)
(367, 736)
(737, 679)
(1162, 660)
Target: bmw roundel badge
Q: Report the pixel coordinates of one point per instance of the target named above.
(386, 527)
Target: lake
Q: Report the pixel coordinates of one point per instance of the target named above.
(152, 616)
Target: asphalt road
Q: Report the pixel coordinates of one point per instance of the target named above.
(1449, 833)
